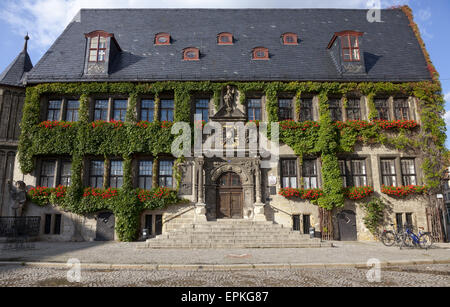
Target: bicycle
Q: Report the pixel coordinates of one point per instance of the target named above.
(391, 237)
(423, 239)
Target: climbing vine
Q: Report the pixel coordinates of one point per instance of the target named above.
(324, 138)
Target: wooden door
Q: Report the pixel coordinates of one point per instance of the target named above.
(229, 197)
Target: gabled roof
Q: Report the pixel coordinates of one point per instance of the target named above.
(390, 49)
(13, 75)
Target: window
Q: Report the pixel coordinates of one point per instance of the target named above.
(306, 109)
(97, 49)
(57, 225)
(306, 224)
(309, 173)
(254, 109)
(145, 175)
(48, 224)
(120, 110)
(343, 168)
(65, 173)
(350, 48)
(54, 110)
(399, 221)
(260, 53)
(409, 219)
(47, 178)
(225, 39)
(96, 174)
(359, 173)
(382, 108)
(290, 39)
(289, 173)
(353, 109)
(285, 109)
(162, 39)
(101, 110)
(401, 109)
(296, 222)
(116, 174)
(409, 176)
(389, 176)
(167, 110)
(202, 109)
(72, 110)
(335, 108)
(191, 54)
(165, 174)
(147, 110)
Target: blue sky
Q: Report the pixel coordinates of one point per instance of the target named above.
(46, 19)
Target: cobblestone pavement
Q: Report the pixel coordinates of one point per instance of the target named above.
(132, 253)
(416, 276)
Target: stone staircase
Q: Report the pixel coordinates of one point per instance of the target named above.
(234, 234)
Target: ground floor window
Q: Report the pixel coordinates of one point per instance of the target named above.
(301, 223)
(52, 224)
(154, 224)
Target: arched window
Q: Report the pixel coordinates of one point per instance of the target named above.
(191, 54)
(162, 39)
(98, 44)
(290, 39)
(260, 53)
(225, 38)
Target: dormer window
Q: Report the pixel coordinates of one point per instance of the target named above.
(191, 54)
(162, 39)
(225, 39)
(260, 53)
(350, 48)
(290, 39)
(97, 49)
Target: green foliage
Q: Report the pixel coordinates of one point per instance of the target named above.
(374, 214)
(130, 138)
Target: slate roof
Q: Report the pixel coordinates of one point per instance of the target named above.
(390, 48)
(14, 74)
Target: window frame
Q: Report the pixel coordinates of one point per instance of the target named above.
(191, 49)
(114, 179)
(403, 109)
(308, 177)
(97, 177)
(347, 38)
(75, 112)
(384, 175)
(406, 174)
(148, 110)
(162, 34)
(48, 176)
(102, 110)
(202, 108)
(255, 52)
(165, 177)
(289, 109)
(122, 111)
(384, 108)
(285, 36)
(167, 110)
(54, 110)
(335, 109)
(310, 107)
(290, 172)
(145, 177)
(98, 49)
(251, 107)
(225, 34)
(351, 109)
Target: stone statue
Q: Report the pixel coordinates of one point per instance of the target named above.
(19, 195)
(229, 99)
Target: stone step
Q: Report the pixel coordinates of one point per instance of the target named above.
(240, 245)
(223, 236)
(230, 239)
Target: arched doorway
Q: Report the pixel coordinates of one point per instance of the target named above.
(230, 202)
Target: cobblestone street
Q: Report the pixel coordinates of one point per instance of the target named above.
(416, 276)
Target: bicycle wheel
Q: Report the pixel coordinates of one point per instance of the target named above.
(425, 241)
(388, 238)
(408, 241)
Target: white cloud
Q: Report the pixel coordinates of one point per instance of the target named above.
(46, 19)
(447, 97)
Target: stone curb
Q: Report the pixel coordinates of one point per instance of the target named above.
(220, 267)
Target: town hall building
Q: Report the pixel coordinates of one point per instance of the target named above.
(344, 96)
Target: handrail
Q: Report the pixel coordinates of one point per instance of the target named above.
(281, 210)
(178, 214)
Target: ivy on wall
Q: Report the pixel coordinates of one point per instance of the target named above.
(325, 138)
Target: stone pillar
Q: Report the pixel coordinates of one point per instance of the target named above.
(259, 205)
(200, 206)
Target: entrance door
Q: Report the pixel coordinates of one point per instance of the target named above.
(347, 225)
(229, 197)
(105, 227)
